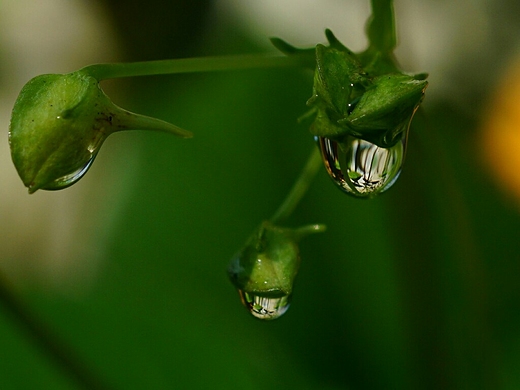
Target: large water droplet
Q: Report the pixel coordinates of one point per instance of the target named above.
(265, 306)
(361, 168)
(68, 179)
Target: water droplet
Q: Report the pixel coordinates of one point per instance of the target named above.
(361, 168)
(68, 179)
(265, 306)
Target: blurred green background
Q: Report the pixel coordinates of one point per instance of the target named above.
(416, 289)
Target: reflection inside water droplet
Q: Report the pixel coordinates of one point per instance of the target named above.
(266, 306)
(69, 179)
(361, 168)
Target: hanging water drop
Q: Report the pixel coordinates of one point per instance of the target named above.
(266, 306)
(66, 180)
(361, 168)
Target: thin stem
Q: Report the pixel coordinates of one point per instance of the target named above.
(190, 65)
(300, 187)
(59, 352)
(381, 27)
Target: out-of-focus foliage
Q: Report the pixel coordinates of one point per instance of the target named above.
(415, 289)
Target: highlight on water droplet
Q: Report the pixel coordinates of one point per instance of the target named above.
(361, 168)
(265, 306)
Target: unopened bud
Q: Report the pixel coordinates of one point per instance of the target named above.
(263, 271)
(58, 125)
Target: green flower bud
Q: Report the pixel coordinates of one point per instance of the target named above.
(350, 101)
(264, 270)
(384, 112)
(363, 107)
(58, 124)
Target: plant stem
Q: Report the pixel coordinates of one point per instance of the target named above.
(59, 352)
(381, 26)
(190, 65)
(300, 187)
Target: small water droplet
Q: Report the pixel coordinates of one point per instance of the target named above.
(265, 306)
(70, 178)
(361, 168)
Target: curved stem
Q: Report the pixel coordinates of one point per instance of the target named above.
(190, 65)
(59, 352)
(300, 187)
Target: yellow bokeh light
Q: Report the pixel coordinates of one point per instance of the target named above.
(500, 136)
